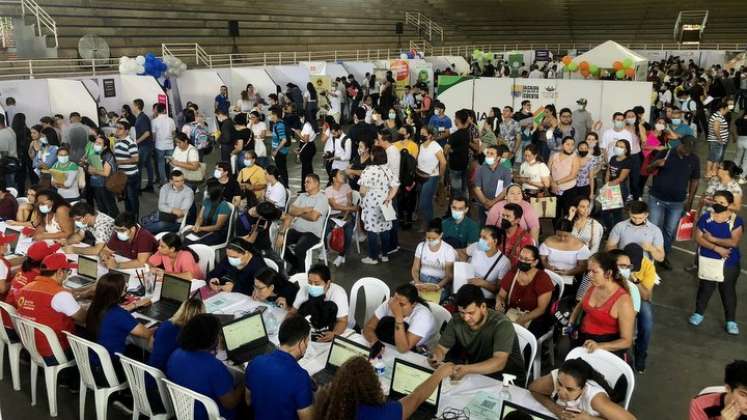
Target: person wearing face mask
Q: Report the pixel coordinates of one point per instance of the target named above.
(391, 121)
(431, 167)
(236, 272)
(325, 302)
(527, 220)
(275, 192)
(186, 158)
(274, 289)
(292, 397)
(561, 128)
(360, 131)
(129, 240)
(460, 230)
(728, 405)
(587, 173)
(252, 177)
(563, 253)
(101, 165)
(564, 167)
(680, 126)
(442, 122)
(633, 124)
(280, 143)
(638, 230)
(488, 262)
(582, 120)
(231, 190)
(65, 175)
(433, 265)
(491, 182)
(618, 173)
(718, 137)
(193, 365)
(657, 143)
(424, 101)
(718, 235)
(726, 178)
(91, 227)
(585, 228)
(42, 152)
(575, 390)
(211, 225)
(54, 221)
(611, 136)
(534, 175)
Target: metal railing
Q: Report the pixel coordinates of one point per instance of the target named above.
(421, 45)
(424, 24)
(6, 32)
(43, 19)
(190, 53)
(467, 50)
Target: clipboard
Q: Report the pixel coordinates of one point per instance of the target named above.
(58, 176)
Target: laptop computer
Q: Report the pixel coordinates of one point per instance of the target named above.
(87, 273)
(510, 407)
(406, 377)
(246, 338)
(174, 291)
(341, 350)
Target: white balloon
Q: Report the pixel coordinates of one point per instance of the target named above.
(122, 68)
(140, 59)
(182, 67)
(140, 69)
(123, 59)
(403, 56)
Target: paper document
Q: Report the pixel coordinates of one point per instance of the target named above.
(484, 406)
(389, 213)
(462, 273)
(499, 188)
(57, 176)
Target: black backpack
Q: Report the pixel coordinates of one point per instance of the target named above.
(408, 167)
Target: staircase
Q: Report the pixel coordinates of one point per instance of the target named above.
(30, 29)
(427, 29)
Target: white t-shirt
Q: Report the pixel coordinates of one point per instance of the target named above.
(420, 321)
(334, 103)
(535, 172)
(583, 403)
(189, 155)
(564, 260)
(536, 74)
(434, 263)
(392, 160)
(343, 149)
(481, 263)
(335, 294)
(610, 137)
(276, 194)
(427, 160)
(65, 303)
(163, 130)
(259, 130)
(308, 130)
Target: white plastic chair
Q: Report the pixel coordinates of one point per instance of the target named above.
(321, 246)
(609, 365)
(12, 191)
(27, 330)
(136, 373)
(183, 399)
(356, 219)
(716, 389)
(442, 317)
(82, 351)
(287, 199)
(14, 348)
(206, 255)
(526, 338)
(548, 336)
(375, 292)
(301, 279)
(272, 264)
(186, 229)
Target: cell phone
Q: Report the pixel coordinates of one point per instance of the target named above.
(260, 309)
(375, 350)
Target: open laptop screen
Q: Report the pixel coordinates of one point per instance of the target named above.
(244, 331)
(406, 377)
(88, 267)
(342, 350)
(175, 288)
(510, 407)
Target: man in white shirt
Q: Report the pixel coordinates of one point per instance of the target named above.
(536, 73)
(163, 130)
(612, 135)
(342, 148)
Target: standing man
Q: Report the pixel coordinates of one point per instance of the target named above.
(76, 135)
(491, 182)
(582, 121)
(510, 131)
(612, 135)
(222, 103)
(457, 151)
(442, 122)
(163, 131)
(127, 155)
(8, 148)
(144, 141)
(280, 143)
(673, 190)
(227, 135)
(394, 159)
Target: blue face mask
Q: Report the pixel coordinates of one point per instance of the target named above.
(315, 291)
(676, 121)
(234, 261)
(457, 214)
(489, 160)
(483, 245)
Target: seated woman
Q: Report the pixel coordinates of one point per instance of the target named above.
(355, 393)
(607, 307)
(325, 302)
(271, 287)
(404, 321)
(261, 219)
(109, 324)
(211, 225)
(563, 253)
(252, 176)
(433, 266)
(585, 228)
(488, 263)
(276, 192)
(529, 220)
(27, 212)
(526, 292)
(340, 197)
(577, 388)
(194, 366)
(67, 187)
(236, 272)
(174, 258)
(165, 339)
(54, 221)
(231, 192)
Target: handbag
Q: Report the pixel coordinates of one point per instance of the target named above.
(166, 217)
(337, 239)
(421, 176)
(116, 182)
(514, 313)
(711, 269)
(544, 206)
(195, 176)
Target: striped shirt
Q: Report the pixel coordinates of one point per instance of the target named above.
(723, 135)
(126, 149)
(278, 134)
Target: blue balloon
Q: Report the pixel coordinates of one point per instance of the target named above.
(410, 55)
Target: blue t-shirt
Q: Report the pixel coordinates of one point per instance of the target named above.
(115, 326)
(222, 103)
(201, 372)
(682, 129)
(440, 122)
(278, 134)
(273, 398)
(164, 343)
(142, 124)
(719, 231)
(391, 410)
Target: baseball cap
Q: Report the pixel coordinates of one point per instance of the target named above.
(581, 101)
(56, 261)
(6, 239)
(38, 250)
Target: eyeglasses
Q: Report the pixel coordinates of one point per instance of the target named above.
(119, 127)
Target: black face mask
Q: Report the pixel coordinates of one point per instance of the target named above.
(567, 153)
(637, 224)
(719, 208)
(524, 266)
(583, 153)
(505, 224)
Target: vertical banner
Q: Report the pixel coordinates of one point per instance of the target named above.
(162, 99)
(321, 83)
(401, 72)
(514, 61)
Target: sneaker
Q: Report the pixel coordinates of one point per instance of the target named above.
(384, 258)
(742, 181)
(732, 328)
(369, 261)
(665, 265)
(340, 260)
(691, 269)
(696, 319)
(393, 251)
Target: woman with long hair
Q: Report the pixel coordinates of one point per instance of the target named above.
(101, 165)
(166, 336)
(43, 153)
(585, 227)
(377, 186)
(68, 187)
(405, 320)
(563, 253)
(23, 141)
(211, 225)
(433, 264)
(619, 173)
(657, 140)
(54, 221)
(176, 259)
(27, 212)
(312, 106)
(271, 287)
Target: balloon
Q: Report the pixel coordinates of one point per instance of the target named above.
(572, 67)
(620, 74)
(403, 56)
(593, 69)
(476, 55)
(628, 63)
(140, 59)
(410, 55)
(584, 65)
(630, 72)
(617, 65)
(567, 60)
(585, 73)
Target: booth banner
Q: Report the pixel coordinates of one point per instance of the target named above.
(445, 82)
(539, 91)
(401, 73)
(421, 72)
(514, 61)
(162, 99)
(542, 55)
(491, 92)
(322, 83)
(315, 67)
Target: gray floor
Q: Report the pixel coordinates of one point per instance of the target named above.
(682, 359)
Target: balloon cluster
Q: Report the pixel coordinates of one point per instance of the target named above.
(151, 65)
(129, 65)
(175, 66)
(621, 69)
(624, 68)
(481, 56)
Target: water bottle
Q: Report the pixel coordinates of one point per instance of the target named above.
(379, 366)
(271, 322)
(505, 393)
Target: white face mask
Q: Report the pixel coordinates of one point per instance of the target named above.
(63, 159)
(98, 148)
(660, 126)
(123, 236)
(44, 208)
(248, 163)
(217, 173)
(619, 124)
(630, 121)
(619, 151)
(434, 243)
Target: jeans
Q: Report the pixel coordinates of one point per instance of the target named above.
(727, 289)
(162, 166)
(458, 182)
(307, 162)
(348, 228)
(741, 158)
(159, 226)
(393, 240)
(645, 325)
(132, 195)
(635, 176)
(427, 193)
(145, 156)
(105, 201)
(376, 243)
(666, 215)
(302, 242)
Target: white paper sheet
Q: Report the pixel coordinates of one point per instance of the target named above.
(462, 273)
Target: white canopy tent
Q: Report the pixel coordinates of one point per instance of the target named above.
(605, 54)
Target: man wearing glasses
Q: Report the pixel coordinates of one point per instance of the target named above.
(126, 154)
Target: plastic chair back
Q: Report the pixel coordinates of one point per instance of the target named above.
(272, 264)
(136, 373)
(716, 389)
(526, 338)
(183, 401)
(442, 317)
(207, 257)
(375, 292)
(31, 331)
(10, 311)
(302, 279)
(82, 351)
(609, 365)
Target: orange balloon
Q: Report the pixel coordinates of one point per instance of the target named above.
(630, 72)
(585, 73)
(584, 65)
(567, 60)
(617, 65)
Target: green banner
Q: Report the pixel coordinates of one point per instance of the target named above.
(447, 81)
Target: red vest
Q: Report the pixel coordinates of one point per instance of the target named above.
(35, 303)
(21, 279)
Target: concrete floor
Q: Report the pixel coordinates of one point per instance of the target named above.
(682, 359)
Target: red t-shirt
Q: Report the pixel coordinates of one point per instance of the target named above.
(525, 297)
(143, 241)
(515, 243)
(707, 407)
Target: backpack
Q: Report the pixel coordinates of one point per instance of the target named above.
(408, 167)
(200, 137)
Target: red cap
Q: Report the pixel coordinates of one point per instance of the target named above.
(6, 239)
(38, 250)
(56, 262)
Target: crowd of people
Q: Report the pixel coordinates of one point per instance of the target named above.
(519, 198)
